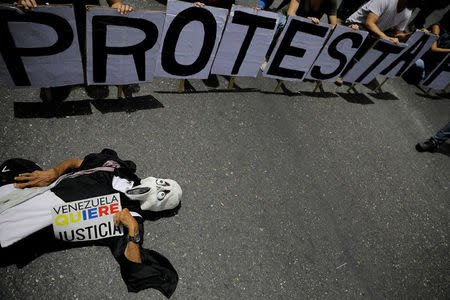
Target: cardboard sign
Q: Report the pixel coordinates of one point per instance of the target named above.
(39, 48)
(440, 77)
(122, 49)
(418, 43)
(88, 219)
(337, 53)
(245, 42)
(191, 38)
(377, 58)
(296, 50)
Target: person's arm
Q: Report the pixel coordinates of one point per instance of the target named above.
(45, 178)
(121, 8)
(401, 35)
(331, 11)
(332, 20)
(293, 6)
(374, 30)
(132, 251)
(434, 48)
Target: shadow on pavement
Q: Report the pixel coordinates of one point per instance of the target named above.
(356, 98)
(321, 94)
(23, 110)
(246, 90)
(429, 96)
(443, 95)
(383, 96)
(126, 105)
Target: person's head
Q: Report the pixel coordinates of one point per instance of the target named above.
(156, 194)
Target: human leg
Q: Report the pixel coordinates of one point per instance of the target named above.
(416, 73)
(442, 135)
(435, 141)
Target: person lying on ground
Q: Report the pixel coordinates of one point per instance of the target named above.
(28, 194)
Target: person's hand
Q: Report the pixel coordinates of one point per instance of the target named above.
(122, 8)
(36, 179)
(199, 3)
(354, 26)
(315, 20)
(27, 4)
(425, 30)
(256, 8)
(124, 216)
(395, 40)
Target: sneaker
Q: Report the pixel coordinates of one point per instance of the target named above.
(427, 146)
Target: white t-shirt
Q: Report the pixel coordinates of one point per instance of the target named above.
(386, 10)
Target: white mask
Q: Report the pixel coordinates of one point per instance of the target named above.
(156, 194)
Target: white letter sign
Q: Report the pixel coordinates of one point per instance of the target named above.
(122, 49)
(337, 53)
(245, 42)
(39, 48)
(296, 49)
(191, 38)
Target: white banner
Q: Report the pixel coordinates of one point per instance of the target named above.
(40, 47)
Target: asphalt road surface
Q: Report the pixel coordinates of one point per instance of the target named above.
(294, 195)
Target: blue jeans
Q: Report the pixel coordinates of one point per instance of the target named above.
(416, 73)
(442, 135)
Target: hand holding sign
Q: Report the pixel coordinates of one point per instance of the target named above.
(122, 8)
(132, 251)
(315, 20)
(124, 216)
(27, 4)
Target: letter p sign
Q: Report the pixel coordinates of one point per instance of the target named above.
(38, 46)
